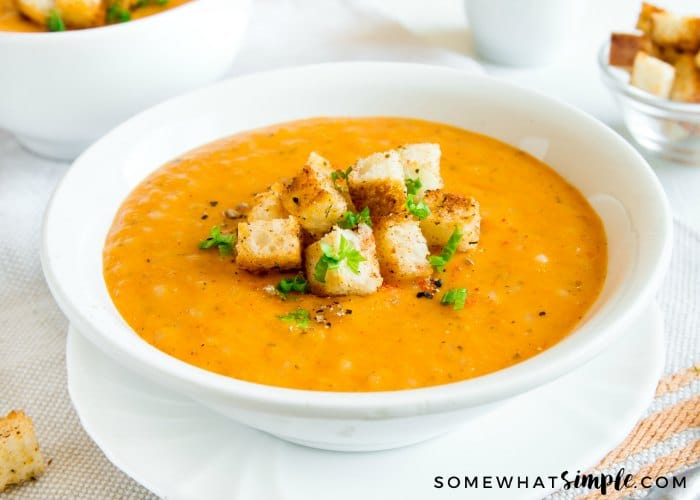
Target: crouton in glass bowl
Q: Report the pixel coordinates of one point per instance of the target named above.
(667, 128)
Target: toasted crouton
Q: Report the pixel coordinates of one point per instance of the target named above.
(81, 13)
(74, 13)
(671, 30)
(448, 211)
(644, 21)
(312, 197)
(36, 10)
(342, 280)
(653, 75)
(269, 244)
(422, 162)
(268, 204)
(20, 457)
(624, 48)
(377, 182)
(401, 248)
(686, 85)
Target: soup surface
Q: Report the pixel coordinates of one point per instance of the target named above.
(12, 19)
(539, 266)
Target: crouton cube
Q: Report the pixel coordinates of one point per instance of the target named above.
(377, 182)
(267, 205)
(81, 13)
(624, 48)
(644, 21)
(269, 244)
(342, 280)
(74, 13)
(686, 84)
(681, 32)
(448, 211)
(652, 75)
(401, 248)
(313, 199)
(20, 457)
(422, 162)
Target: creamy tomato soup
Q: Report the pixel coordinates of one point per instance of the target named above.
(539, 265)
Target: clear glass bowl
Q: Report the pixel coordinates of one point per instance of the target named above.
(669, 129)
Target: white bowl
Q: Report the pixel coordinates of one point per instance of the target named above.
(61, 91)
(607, 170)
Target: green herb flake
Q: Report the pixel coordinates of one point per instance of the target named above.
(413, 185)
(448, 251)
(54, 21)
(455, 297)
(115, 14)
(331, 260)
(417, 208)
(300, 318)
(296, 284)
(224, 242)
(339, 174)
(351, 220)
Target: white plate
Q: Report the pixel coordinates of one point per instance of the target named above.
(180, 450)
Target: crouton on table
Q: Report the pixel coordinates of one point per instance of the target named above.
(448, 211)
(313, 199)
(267, 205)
(653, 75)
(377, 182)
(422, 162)
(401, 248)
(342, 279)
(269, 244)
(20, 457)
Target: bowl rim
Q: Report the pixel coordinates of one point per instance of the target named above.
(548, 365)
(613, 81)
(106, 30)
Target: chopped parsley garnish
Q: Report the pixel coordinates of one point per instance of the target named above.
(216, 238)
(296, 284)
(439, 261)
(54, 21)
(419, 209)
(115, 14)
(339, 174)
(455, 297)
(300, 318)
(331, 260)
(351, 220)
(413, 185)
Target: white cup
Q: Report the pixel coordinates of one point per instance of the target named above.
(522, 32)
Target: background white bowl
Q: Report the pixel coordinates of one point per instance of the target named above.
(61, 91)
(607, 170)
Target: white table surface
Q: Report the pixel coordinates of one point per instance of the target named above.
(573, 78)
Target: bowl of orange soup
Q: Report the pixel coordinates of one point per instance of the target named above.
(72, 70)
(356, 256)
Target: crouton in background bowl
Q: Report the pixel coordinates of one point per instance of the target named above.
(659, 101)
(614, 178)
(60, 91)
